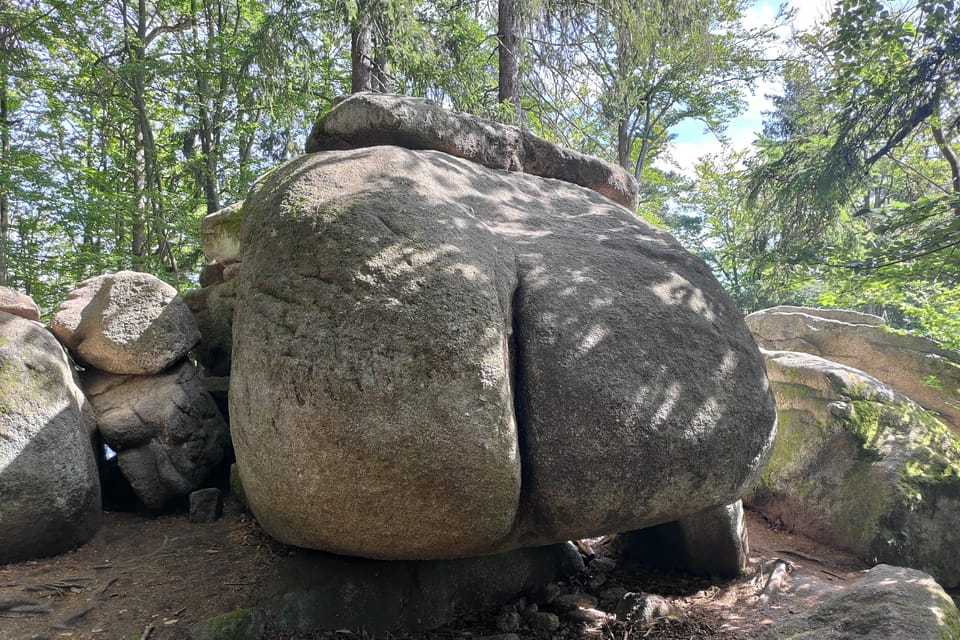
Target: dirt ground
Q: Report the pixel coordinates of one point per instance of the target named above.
(151, 578)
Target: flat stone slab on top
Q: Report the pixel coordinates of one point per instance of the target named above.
(374, 119)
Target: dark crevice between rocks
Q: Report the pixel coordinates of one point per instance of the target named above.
(518, 391)
(115, 490)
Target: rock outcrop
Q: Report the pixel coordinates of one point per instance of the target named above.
(858, 465)
(414, 332)
(165, 428)
(18, 304)
(220, 237)
(212, 309)
(126, 323)
(888, 602)
(915, 366)
(49, 491)
(374, 119)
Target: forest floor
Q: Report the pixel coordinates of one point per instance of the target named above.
(151, 578)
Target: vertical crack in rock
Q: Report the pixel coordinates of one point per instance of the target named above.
(519, 392)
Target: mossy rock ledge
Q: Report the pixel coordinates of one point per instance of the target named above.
(860, 466)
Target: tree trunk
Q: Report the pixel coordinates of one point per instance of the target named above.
(210, 106)
(508, 50)
(624, 145)
(361, 51)
(4, 179)
(946, 152)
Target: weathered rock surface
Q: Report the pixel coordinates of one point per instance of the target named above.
(18, 304)
(49, 491)
(858, 465)
(374, 119)
(711, 542)
(220, 234)
(212, 309)
(888, 602)
(401, 312)
(126, 323)
(915, 366)
(165, 428)
(206, 505)
(322, 591)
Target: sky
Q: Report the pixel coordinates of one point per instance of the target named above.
(692, 142)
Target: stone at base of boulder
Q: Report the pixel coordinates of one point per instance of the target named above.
(889, 602)
(710, 542)
(318, 590)
(206, 505)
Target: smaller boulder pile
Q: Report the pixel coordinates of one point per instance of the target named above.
(212, 305)
(132, 331)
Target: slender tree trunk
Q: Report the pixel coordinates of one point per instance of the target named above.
(209, 105)
(361, 51)
(4, 178)
(947, 153)
(508, 50)
(624, 144)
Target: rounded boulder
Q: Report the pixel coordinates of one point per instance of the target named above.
(49, 491)
(126, 323)
(414, 333)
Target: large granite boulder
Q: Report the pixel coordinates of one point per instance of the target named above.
(166, 430)
(859, 466)
(126, 323)
(915, 366)
(888, 602)
(18, 304)
(49, 491)
(372, 119)
(415, 333)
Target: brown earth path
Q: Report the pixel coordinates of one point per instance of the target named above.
(144, 577)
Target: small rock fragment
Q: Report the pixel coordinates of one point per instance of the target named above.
(206, 505)
(602, 564)
(597, 581)
(550, 593)
(542, 620)
(643, 607)
(508, 621)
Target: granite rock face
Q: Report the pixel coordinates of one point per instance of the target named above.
(860, 466)
(165, 428)
(212, 309)
(49, 490)
(415, 332)
(888, 602)
(915, 366)
(18, 304)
